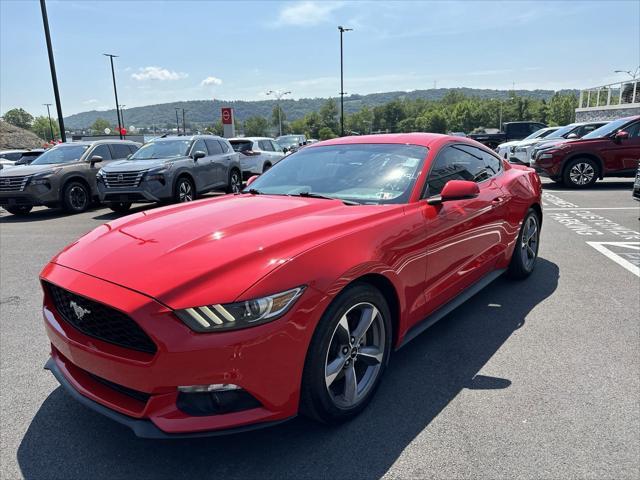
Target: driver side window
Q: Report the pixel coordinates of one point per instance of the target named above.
(453, 163)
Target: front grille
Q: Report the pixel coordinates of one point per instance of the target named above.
(13, 184)
(130, 392)
(100, 321)
(123, 179)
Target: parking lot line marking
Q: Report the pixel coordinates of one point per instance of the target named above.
(600, 246)
(593, 208)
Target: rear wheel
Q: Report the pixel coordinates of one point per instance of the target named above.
(525, 254)
(120, 207)
(76, 197)
(184, 191)
(347, 356)
(19, 209)
(580, 173)
(235, 181)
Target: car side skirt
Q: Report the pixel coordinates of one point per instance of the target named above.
(447, 308)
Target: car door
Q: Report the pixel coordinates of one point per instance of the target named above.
(464, 237)
(623, 154)
(203, 167)
(219, 163)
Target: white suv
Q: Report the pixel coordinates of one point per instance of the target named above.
(257, 154)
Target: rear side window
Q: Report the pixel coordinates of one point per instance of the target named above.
(276, 147)
(225, 146)
(120, 150)
(13, 156)
(101, 151)
(491, 163)
(519, 130)
(454, 163)
(214, 146)
(199, 146)
(265, 145)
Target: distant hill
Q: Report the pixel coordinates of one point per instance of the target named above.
(207, 111)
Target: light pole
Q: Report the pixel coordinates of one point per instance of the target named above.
(342, 29)
(278, 94)
(122, 115)
(633, 74)
(52, 67)
(50, 123)
(184, 124)
(115, 92)
(177, 122)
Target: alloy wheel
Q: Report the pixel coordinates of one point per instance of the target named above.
(354, 358)
(235, 182)
(78, 198)
(529, 244)
(185, 192)
(582, 173)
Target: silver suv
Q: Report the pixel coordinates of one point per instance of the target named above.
(64, 175)
(170, 169)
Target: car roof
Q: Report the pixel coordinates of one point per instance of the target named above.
(96, 142)
(184, 137)
(422, 139)
(253, 139)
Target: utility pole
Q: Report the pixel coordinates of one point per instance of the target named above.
(342, 29)
(278, 94)
(115, 92)
(50, 123)
(122, 115)
(184, 124)
(52, 67)
(177, 122)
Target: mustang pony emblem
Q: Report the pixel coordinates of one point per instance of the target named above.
(78, 310)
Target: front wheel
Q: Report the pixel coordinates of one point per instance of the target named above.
(580, 173)
(120, 207)
(347, 356)
(235, 181)
(525, 253)
(19, 209)
(184, 191)
(76, 197)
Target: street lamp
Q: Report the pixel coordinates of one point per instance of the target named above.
(52, 67)
(177, 121)
(278, 94)
(184, 124)
(122, 115)
(115, 91)
(633, 74)
(342, 29)
(50, 123)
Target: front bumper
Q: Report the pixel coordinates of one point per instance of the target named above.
(266, 361)
(30, 196)
(147, 192)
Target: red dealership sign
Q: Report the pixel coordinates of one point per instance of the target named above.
(227, 116)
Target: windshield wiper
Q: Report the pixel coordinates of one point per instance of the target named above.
(252, 191)
(325, 197)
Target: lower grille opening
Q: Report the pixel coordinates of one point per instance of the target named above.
(200, 404)
(135, 394)
(99, 321)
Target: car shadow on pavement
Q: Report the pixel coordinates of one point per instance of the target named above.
(598, 186)
(34, 216)
(65, 440)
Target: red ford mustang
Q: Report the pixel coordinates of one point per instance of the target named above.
(241, 311)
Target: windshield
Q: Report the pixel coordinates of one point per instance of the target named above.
(562, 132)
(542, 133)
(364, 173)
(289, 140)
(162, 149)
(608, 129)
(61, 154)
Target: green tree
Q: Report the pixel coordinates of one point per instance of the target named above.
(40, 127)
(329, 116)
(256, 127)
(19, 117)
(432, 122)
(326, 133)
(276, 122)
(215, 129)
(99, 125)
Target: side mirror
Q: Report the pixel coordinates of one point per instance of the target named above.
(621, 135)
(572, 135)
(95, 159)
(455, 190)
(252, 179)
(285, 149)
(199, 154)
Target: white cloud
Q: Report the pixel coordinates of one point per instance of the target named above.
(307, 13)
(210, 81)
(157, 73)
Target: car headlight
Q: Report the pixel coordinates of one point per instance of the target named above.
(42, 178)
(158, 173)
(547, 154)
(234, 316)
(100, 175)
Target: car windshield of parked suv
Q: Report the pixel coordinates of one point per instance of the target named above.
(61, 154)
(607, 129)
(362, 173)
(542, 133)
(162, 149)
(289, 140)
(562, 132)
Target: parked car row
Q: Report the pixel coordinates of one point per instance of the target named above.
(10, 158)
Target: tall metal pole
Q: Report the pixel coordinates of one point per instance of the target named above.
(52, 67)
(50, 123)
(184, 125)
(122, 115)
(115, 92)
(278, 94)
(177, 122)
(342, 30)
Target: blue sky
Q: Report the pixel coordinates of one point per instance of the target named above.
(184, 50)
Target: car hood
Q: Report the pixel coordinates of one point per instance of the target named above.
(509, 144)
(19, 170)
(136, 165)
(211, 251)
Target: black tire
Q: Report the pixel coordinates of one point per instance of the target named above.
(316, 400)
(120, 207)
(525, 253)
(266, 167)
(184, 190)
(76, 197)
(580, 173)
(19, 209)
(235, 181)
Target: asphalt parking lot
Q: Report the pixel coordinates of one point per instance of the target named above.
(535, 379)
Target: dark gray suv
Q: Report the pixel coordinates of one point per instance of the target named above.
(171, 169)
(64, 175)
